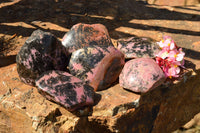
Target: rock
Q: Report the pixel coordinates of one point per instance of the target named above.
(135, 47)
(65, 89)
(174, 3)
(161, 110)
(82, 35)
(141, 75)
(112, 104)
(23, 109)
(155, 111)
(41, 52)
(99, 66)
(194, 122)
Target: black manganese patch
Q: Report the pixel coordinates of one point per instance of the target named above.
(62, 88)
(41, 52)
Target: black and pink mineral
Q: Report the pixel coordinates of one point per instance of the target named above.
(82, 35)
(141, 75)
(99, 66)
(135, 47)
(41, 52)
(65, 89)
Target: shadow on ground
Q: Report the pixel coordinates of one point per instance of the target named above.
(112, 13)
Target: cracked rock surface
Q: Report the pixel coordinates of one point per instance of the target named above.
(162, 110)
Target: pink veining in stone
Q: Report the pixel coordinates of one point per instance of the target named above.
(135, 47)
(141, 75)
(99, 69)
(65, 89)
(82, 35)
(42, 51)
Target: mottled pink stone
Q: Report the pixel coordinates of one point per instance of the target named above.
(42, 51)
(141, 75)
(135, 47)
(81, 35)
(65, 89)
(99, 66)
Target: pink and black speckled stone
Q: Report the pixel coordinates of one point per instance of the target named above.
(65, 89)
(41, 52)
(141, 75)
(135, 47)
(99, 66)
(82, 35)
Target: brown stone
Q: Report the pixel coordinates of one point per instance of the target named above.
(194, 122)
(174, 2)
(22, 109)
(116, 110)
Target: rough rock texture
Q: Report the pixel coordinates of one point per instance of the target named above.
(163, 110)
(135, 47)
(141, 75)
(174, 2)
(99, 66)
(41, 52)
(82, 35)
(65, 89)
(115, 110)
(22, 108)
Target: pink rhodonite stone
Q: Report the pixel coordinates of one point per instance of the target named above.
(99, 66)
(42, 51)
(65, 89)
(135, 47)
(81, 35)
(141, 75)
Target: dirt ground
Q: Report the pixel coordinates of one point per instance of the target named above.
(123, 18)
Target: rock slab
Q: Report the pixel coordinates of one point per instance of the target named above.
(41, 52)
(99, 66)
(141, 75)
(65, 89)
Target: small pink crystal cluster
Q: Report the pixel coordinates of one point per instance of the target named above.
(170, 58)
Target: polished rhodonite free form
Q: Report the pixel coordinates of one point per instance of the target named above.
(65, 89)
(135, 47)
(141, 75)
(99, 66)
(81, 35)
(42, 51)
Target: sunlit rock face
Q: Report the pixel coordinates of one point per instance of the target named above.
(41, 52)
(135, 47)
(82, 35)
(99, 66)
(141, 75)
(65, 89)
(174, 2)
